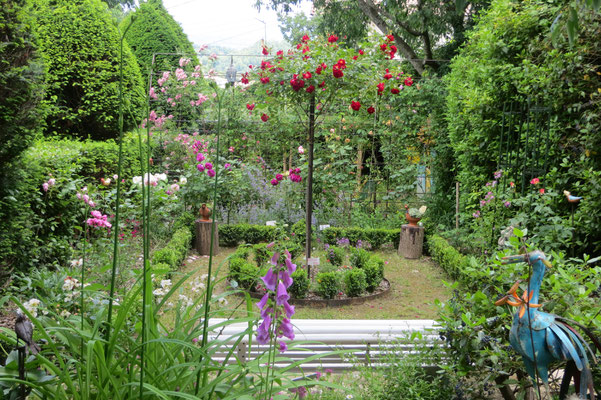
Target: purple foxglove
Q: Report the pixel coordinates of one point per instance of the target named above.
(270, 245)
(263, 331)
(289, 309)
(285, 329)
(275, 258)
(270, 279)
(291, 267)
(285, 278)
(261, 304)
(282, 295)
(283, 347)
(266, 312)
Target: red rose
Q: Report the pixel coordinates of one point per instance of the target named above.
(307, 75)
(355, 57)
(265, 80)
(341, 63)
(310, 89)
(383, 46)
(541, 191)
(265, 51)
(395, 91)
(337, 72)
(298, 46)
(305, 39)
(306, 49)
(380, 87)
(250, 106)
(361, 52)
(318, 70)
(390, 38)
(387, 75)
(244, 78)
(322, 84)
(408, 81)
(355, 105)
(280, 53)
(393, 50)
(264, 117)
(371, 110)
(332, 38)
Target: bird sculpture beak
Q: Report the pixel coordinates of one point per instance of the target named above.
(513, 259)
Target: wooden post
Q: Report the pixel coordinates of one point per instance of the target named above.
(456, 205)
(309, 194)
(412, 241)
(203, 238)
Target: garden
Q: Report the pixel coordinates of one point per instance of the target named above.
(169, 229)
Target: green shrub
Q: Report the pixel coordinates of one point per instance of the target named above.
(21, 76)
(336, 255)
(232, 235)
(166, 256)
(328, 284)
(80, 45)
(359, 257)
(174, 253)
(262, 254)
(375, 237)
(243, 252)
(155, 31)
(235, 264)
(355, 282)
(300, 284)
(374, 273)
(298, 231)
(445, 255)
(247, 276)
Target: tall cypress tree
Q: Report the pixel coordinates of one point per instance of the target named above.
(80, 44)
(155, 31)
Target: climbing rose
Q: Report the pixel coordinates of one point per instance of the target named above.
(305, 39)
(337, 72)
(279, 177)
(408, 81)
(265, 51)
(209, 165)
(274, 182)
(390, 38)
(307, 75)
(395, 91)
(264, 117)
(310, 89)
(355, 105)
(380, 88)
(535, 181)
(250, 106)
(332, 38)
(371, 110)
(211, 173)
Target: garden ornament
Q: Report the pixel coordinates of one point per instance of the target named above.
(24, 331)
(541, 338)
(571, 199)
(204, 212)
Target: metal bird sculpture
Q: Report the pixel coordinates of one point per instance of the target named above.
(571, 199)
(541, 338)
(24, 331)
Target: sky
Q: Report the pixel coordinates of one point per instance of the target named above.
(230, 23)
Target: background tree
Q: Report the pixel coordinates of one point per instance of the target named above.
(80, 45)
(423, 30)
(21, 73)
(155, 31)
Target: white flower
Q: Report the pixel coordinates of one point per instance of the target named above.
(423, 209)
(76, 263)
(158, 292)
(32, 306)
(183, 180)
(161, 177)
(137, 180)
(65, 313)
(166, 284)
(70, 283)
(175, 187)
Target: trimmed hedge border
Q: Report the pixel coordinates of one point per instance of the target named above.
(232, 235)
(375, 237)
(174, 253)
(449, 259)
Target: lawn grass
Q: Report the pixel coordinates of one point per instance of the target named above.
(415, 284)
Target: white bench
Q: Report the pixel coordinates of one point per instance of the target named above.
(364, 341)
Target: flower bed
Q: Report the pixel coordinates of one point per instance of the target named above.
(349, 275)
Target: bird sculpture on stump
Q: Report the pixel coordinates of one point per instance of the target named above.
(24, 331)
(541, 338)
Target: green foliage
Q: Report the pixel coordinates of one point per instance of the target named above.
(21, 89)
(231, 235)
(298, 231)
(174, 253)
(328, 284)
(262, 254)
(374, 273)
(375, 237)
(355, 282)
(511, 58)
(243, 252)
(359, 257)
(80, 46)
(155, 31)
(336, 255)
(300, 284)
(448, 258)
(244, 273)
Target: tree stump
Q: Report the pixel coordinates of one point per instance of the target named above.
(411, 242)
(203, 237)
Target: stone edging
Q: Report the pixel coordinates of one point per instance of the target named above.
(322, 303)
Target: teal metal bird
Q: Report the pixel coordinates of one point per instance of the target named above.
(541, 338)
